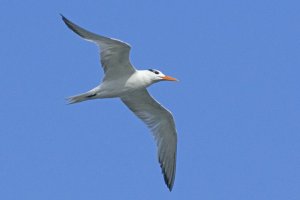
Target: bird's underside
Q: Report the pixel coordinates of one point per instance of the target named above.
(124, 81)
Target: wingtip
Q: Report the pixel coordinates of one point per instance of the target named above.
(67, 21)
(169, 185)
(63, 18)
(169, 181)
(75, 28)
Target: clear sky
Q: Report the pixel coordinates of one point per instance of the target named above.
(237, 105)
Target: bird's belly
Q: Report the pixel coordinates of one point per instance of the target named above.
(116, 89)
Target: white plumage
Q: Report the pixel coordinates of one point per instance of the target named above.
(122, 80)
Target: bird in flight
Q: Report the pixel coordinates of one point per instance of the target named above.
(123, 81)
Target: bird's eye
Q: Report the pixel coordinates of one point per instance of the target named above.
(152, 70)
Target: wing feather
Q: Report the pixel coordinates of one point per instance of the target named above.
(162, 125)
(114, 54)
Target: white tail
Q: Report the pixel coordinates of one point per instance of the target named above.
(81, 97)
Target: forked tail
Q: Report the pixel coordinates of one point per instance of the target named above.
(81, 97)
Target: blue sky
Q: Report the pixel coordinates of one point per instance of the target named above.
(237, 105)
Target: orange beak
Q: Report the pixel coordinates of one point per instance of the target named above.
(169, 78)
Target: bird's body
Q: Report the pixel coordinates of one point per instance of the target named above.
(123, 81)
(117, 88)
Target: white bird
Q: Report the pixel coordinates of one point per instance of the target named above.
(122, 80)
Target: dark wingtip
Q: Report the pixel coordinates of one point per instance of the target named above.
(64, 18)
(72, 26)
(170, 186)
(167, 180)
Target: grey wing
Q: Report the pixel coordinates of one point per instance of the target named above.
(114, 53)
(162, 125)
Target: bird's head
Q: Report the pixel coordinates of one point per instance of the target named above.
(156, 76)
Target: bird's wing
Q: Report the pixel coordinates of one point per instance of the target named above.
(114, 54)
(162, 124)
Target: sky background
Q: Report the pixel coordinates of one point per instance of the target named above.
(237, 105)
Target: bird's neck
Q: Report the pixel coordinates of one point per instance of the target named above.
(143, 78)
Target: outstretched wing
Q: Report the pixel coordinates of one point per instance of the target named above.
(114, 53)
(162, 125)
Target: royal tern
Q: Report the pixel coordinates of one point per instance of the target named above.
(122, 80)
